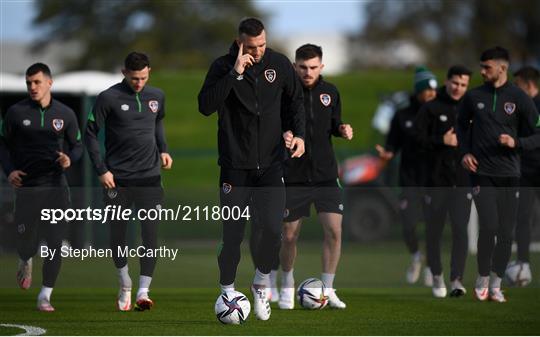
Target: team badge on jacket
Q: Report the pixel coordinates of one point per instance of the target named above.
(509, 108)
(325, 99)
(270, 75)
(58, 124)
(154, 106)
(227, 188)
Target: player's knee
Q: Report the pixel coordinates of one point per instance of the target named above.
(333, 235)
(290, 236)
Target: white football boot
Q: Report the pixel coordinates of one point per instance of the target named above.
(286, 298)
(261, 307)
(439, 288)
(333, 300)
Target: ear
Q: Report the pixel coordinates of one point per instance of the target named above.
(322, 66)
(124, 71)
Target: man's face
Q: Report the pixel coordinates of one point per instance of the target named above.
(491, 70)
(254, 45)
(457, 85)
(137, 78)
(426, 95)
(38, 86)
(309, 71)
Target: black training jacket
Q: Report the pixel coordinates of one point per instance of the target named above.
(530, 160)
(323, 117)
(134, 135)
(249, 108)
(488, 112)
(30, 138)
(434, 119)
(402, 137)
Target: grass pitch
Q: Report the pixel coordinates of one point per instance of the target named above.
(370, 281)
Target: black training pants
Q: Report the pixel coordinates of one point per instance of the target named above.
(456, 203)
(496, 199)
(264, 192)
(29, 201)
(144, 193)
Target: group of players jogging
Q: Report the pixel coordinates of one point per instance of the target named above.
(275, 126)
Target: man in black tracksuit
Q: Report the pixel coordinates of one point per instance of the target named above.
(402, 137)
(494, 124)
(246, 88)
(313, 178)
(527, 78)
(33, 140)
(447, 191)
(135, 151)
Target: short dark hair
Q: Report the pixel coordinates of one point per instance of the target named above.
(458, 70)
(528, 74)
(251, 27)
(308, 51)
(39, 67)
(136, 61)
(495, 53)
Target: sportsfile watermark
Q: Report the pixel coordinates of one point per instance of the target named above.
(120, 213)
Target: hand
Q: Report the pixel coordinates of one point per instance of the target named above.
(107, 180)
(15, 178)
(242, 60)
(469, 162)
(297, 147)
(383, 154)
(166, 161)
(288, 137)
(507, 140)
(63, 160)
(450, 138)
(346, 131)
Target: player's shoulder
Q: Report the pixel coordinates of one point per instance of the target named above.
(19, 106)
(276, 58)
(328, 86)
(154, 91)
(111, 92)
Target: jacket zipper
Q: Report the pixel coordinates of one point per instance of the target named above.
(494, 99)
(258, 122)
(138, 100)
(310, 135)
(42, 112)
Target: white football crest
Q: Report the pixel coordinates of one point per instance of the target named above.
(270, 75)
(227, 188)
(326, 99)
(154, 106)
(509, 108)
(58, 124)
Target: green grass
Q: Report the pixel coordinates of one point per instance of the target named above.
(370, 280)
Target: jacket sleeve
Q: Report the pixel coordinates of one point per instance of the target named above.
(394, 137)
(464, 120)
(73, 138)
(217, 86)
(529, 126)
(295, 95)
(96, 120)
(5, 157)
(160, 129)
(424, 130)
(336, 116)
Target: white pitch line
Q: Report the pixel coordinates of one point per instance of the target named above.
(29, 330)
